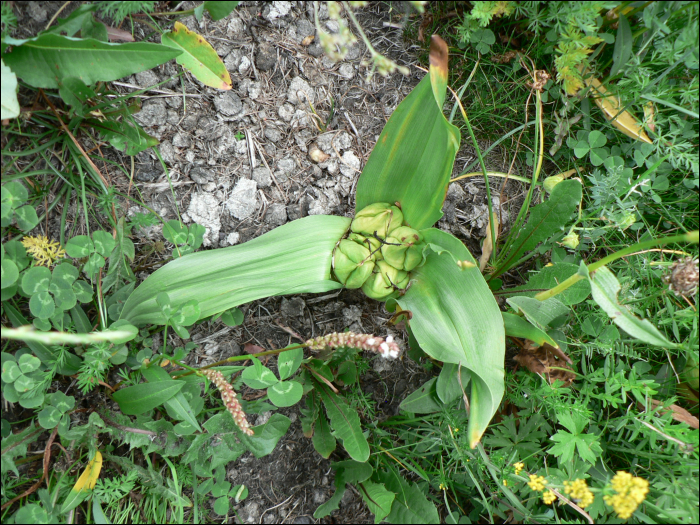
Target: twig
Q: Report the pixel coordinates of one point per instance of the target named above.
(60, 9)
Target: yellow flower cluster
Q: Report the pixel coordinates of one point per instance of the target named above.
(45, 252)
(549, 497)
(631, 491)
(519, 466)
(579, 491)
(537, 483)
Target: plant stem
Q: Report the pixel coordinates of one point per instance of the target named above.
(685, 237)
(492, 174)
(235, 358)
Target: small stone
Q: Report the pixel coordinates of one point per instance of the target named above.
(327, 62)
(287, 166)
(315, 50)
(331, 166)
(204, 210)
(455, 193)
(351, 314)
(276, 10)
(167, 152)
(297, 211)
(244, 199)
(300, 119)
(286, 112)
(349, 164)
(181, 140)
(304, 28)
(254, 90)
(147, 78)
(261, 176)
(153, 113)
(329, 142)
(174, 102)
(173, 117)
(273, 134)
(233, 59)
(266, 57)
(250, 513)
(276, 214)
(37, 12)
(300, 92)
(244, 66)
(235, 26)
(201, 175)
(332, 26)
(232, 238)
(228, 104)
(189, 122)
(346, 71)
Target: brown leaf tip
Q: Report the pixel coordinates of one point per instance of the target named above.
(438, 53)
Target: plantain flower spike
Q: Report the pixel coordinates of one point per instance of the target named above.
(230, 399)
(387, 348)
(352, 263)
(403, 248)
(380, 217)
(384, 281)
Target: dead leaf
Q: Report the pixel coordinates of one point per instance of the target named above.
(316, 154)
(307, 41)
(677, 413)
(610, 106)
(649, 116)
(487, 248)
(252, 349)
(118, 35)
(547, 361)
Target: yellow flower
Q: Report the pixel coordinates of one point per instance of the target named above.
(549, 497)
(631, 491)
(537, 483)
(518, 467)
(505, 482)
(45, 252)
(579, 491)
(443, 486)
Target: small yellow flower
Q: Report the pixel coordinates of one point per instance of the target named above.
(505, 482)
(549, 497)
(45, 252)
(631, 491)
(519, 466)
(578, 490)
(537, 483)
(443, 486)
(456, 430)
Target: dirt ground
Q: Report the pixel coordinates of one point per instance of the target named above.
(240, 165)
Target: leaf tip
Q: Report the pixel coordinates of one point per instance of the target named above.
(438, 55)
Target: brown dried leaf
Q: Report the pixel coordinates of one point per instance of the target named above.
(118, 35)
(252, 349)
(307, 41)
(678, 413)
(546, 361)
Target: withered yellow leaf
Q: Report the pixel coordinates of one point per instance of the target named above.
(610, 106)
(88, 478)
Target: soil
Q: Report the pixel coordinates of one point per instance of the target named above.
(240, 165)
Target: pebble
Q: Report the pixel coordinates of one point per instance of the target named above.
(228, 104)
(244, 199)
(300, 92)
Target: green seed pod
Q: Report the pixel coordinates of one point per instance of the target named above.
(352, 264)
(379, 217)
(404, 248)
(571, 241)
(384, 281)
(371, 243)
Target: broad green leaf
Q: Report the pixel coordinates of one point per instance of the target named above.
(43, 60)
(285, 393)
(545, 220)
(36, 279)
(8, 93)
(10, 273)
(233, 317)
(447, 387)
(187, 313)
(63, 294)
(14, 194)
(345, 423)
(103, 242)
(424, 400)
(125, 136)
(605, 288)
(28, 363)
(26, 218)
(293, 258)
(377, 498)
(178, 404)
(412, 161)
(80, 246)
(10, 371)
(49, 417)
(258, 376)
(410, 506)
(516, 326)
(334, 502)
(42, 305)
(456, 319)
(353, 471)
(323, 439)
(61, 401)
(175, 232)
(134, 400)
(73, 22)
(65, 272)
(31, 513)
(197, 55)
(288, 362)
(94, 29)
(539, 313)
(222, 505)
(266, 436)
(219, 10)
